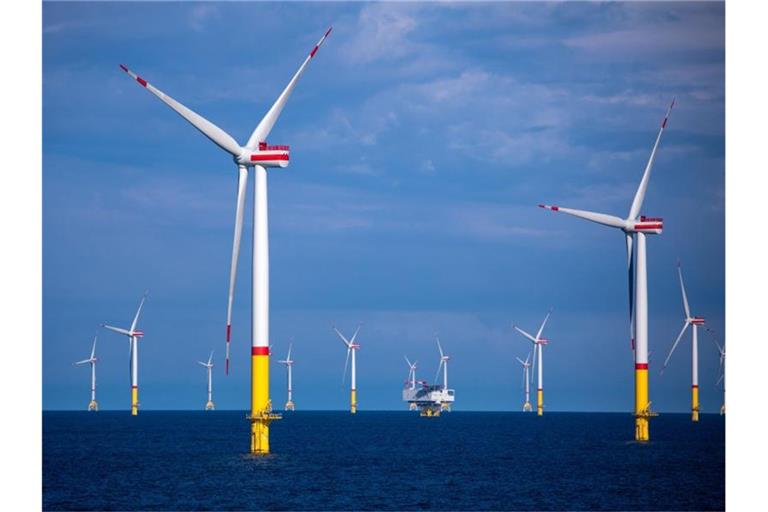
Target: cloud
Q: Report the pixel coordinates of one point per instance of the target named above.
(200, 15)
(382, 33)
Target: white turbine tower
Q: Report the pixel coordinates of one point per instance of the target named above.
(133, 348)
(411, 382)
(352, 347)
(635, 226)
(695, 321)
(93, 405)
(209, 405)
(538, 345)
(259, 156)
(526, 365)
(288, 362)
(446, 406)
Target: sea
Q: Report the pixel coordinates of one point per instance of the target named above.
(332, 460)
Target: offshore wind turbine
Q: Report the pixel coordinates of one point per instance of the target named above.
(444, 364)
(352, 347)
(288, 362)
(93, 405)
(209, 406)
(634, 227)
(721, 351)
(258, 156)
(695, 321)
(526, 365)
(411, 380)
(133, 354)
(538, 345)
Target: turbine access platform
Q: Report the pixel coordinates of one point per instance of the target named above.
(430, 400)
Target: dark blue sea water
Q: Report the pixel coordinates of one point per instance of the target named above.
(381, 461)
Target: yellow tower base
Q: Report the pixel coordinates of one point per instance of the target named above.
(93, 405)
(445, 406)
(540, 402)
(527, 407)
(430, 412)
(290, 406)
(261, 406)
(643, 411)
(694, 403)
(209, 406)
(353, 401)
(134, 400)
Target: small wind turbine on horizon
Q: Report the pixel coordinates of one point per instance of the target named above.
(288, 362)
(209, 406)
(538, 345)
(721, 351)
(445, 406)
(352, 347)
(133, 353)
(635, 226)
(695, 321)
(257, 155)
(411, 380)
(526, 365)
(93, 405)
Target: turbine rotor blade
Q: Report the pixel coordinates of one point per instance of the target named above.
(83, 361)
(242, 182)
(261, 132)
(538, 334)
(120, 330)
(346, 362)
(682, 289)
(138, 312)
(600, 218)
(524, 333)
(354, 336)
(682, 331)
(207, 128)
(637, 202)
(343, 339)
(290, 346)
(93, 350)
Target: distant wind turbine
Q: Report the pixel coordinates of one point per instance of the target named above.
(92, 405)
(288, 362)
(209, 406)
(526, 365)
(352, 347)
(538, 345)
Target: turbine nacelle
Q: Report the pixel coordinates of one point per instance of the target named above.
(265, 156)
(647, 225)
(137, 334)
(696, 320)
(542, 341)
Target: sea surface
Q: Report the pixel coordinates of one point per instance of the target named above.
(381, 461)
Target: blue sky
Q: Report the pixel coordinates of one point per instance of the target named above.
(423, 136)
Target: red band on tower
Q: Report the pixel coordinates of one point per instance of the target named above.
(641, 366)
(259, 351)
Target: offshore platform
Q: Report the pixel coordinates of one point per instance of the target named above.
(429, 399)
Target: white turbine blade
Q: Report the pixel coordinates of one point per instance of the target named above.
(527, 358)
(346, 362)
(521, 361)
(682, 289)
(261, 132)
(600, 218)
(93, 350)
(210, 358)
(533, 366)
(138, 312)
(720, 379)
(439, 347)
(207, 128)
(343, 339)
(202, 364)
(242, 182)
(637, 202)
(527, 335)
(439, 367)
(408, 362)
(117, 329)
(538, 334)
(290, 346)
(354, 336)
(83, 361)
(682, 331)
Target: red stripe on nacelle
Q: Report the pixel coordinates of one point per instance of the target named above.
(649, 226)
(141, 81)
(641, 366)
(259, 351)
(261, 158)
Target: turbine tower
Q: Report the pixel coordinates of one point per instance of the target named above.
(133, 335)
(352, 347)
(721, 351)
(411, 382)
(93, 405)
(526, 365)
(445, 406)
(635, 226)
(288, 362)
(538, 345)
(209, 405)
(695, 321)
(258, 156)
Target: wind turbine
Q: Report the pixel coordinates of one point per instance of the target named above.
(93, 405)
(209, 406)
(411, 380)
(444, 364)
(259, 156)
(721, 351)
(352, 347)
(538, 345)
(526, 365)
(635, 226)
(288, 362)
(695, 321)
(133, 348)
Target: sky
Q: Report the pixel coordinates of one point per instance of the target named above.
(423, 136)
